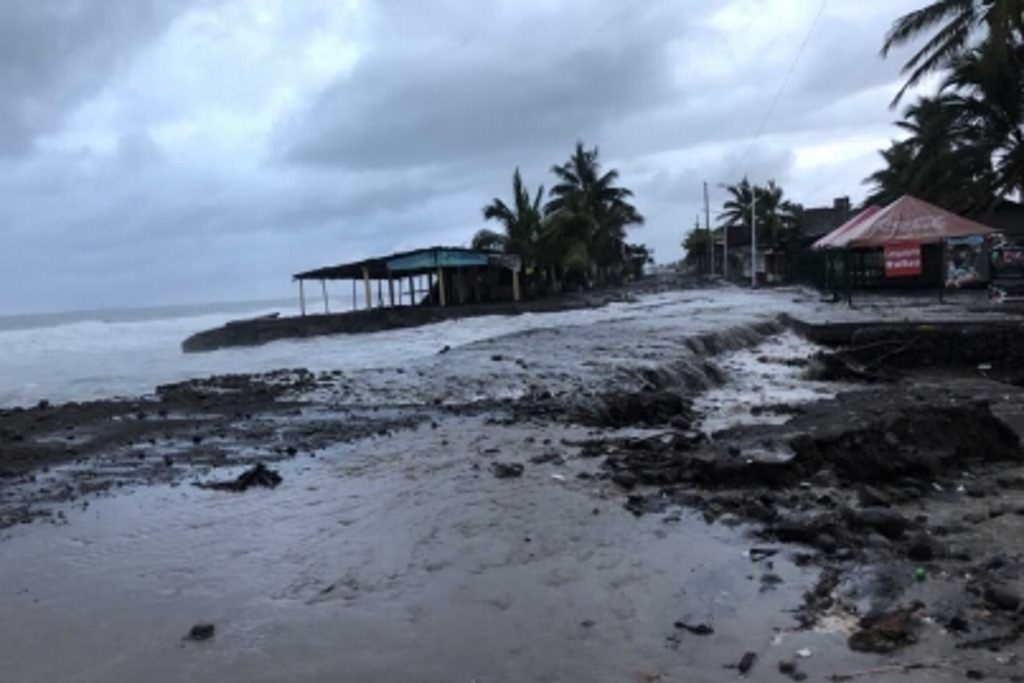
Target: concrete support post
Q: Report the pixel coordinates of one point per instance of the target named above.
(323, 286)
(302, 299)
(441, 294)
(366, 286)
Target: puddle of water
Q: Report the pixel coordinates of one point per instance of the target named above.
(389, 560)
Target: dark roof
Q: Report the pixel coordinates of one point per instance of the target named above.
(1006, 217)
(377, 268)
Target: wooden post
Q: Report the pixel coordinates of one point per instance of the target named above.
(323, 286)
(847, 267)
(391, 291)
(302, 299)
(441, 294)
(366, 286)
(515, 285)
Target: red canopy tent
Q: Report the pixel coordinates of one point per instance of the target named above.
(909, 219)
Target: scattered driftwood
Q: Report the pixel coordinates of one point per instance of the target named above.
(258, 475)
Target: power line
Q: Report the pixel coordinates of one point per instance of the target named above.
(792, 69)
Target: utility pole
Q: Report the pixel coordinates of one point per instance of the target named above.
(707, 226)
(753, 238)
(696, 231)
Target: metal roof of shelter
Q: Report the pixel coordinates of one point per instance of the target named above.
(840, 236)
(415, 262)
(908, 219)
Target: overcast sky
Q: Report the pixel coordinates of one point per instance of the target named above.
(180, 151)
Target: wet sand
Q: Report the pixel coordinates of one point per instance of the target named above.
(391, 552)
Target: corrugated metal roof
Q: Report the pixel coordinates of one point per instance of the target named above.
(426, 260)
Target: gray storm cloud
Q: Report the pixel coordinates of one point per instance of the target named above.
(163, 152)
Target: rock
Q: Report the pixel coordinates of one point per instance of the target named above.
(503, 470)
(789, 669)
(878, 541)
(921, 548)
(798, 529)
(695, 629)
(201, 632)
(885, 633)
(1002, 597)
(976, 517)
(626, 480)
(870, 497)
(826, 543)
(747, 662)
(546, 458)
(889, 523)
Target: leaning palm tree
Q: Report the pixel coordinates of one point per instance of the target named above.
(955, 27)
(892, 181)
(988, 108)
(521, 223)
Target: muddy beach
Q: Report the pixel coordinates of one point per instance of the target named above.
(689, 491)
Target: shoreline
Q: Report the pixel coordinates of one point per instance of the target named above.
(263, 330)
(616, 487)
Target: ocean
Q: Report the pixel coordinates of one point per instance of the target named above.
(127, 353)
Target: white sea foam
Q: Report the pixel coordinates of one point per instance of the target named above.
(90, 359)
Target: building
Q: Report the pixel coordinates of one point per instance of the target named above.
(1007, 217)
(439, 276)
(817, 222)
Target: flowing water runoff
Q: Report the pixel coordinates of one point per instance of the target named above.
(397, 557)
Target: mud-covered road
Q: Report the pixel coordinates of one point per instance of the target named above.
(673, 495)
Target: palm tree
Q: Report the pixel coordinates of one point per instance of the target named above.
(988, 107)
(891, 181)
(736, 209)
(776, 216)
(521, 223)
(947, 155)
(956, 27)
(588, 213)
(697, 245)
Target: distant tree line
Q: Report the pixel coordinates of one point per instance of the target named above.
(778, 221)
(573, 234)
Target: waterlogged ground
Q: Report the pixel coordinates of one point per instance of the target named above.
(391, 552)
(394, 559)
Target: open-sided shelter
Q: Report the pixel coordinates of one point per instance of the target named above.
(438, 275)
